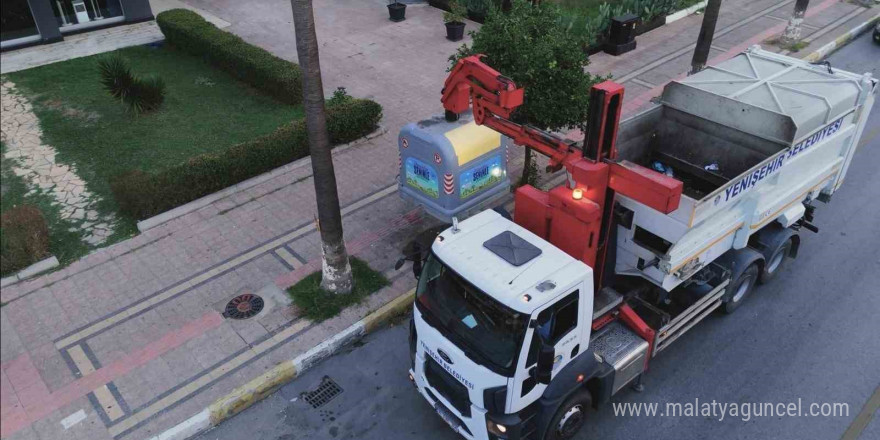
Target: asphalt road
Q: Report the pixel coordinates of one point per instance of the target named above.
(811, 334)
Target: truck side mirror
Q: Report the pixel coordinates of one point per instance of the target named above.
(546, 356)
(416, 267)
(412, 252)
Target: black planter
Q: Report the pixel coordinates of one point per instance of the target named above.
(454, 31)
(479, 17)
(397, 11)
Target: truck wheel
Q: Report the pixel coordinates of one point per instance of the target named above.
(776, 261)
(570, 416)
(740, 288)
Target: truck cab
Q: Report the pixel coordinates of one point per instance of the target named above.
(502, 318)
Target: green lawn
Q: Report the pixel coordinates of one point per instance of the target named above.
(63, 243)
(205, 110)
(318, 305)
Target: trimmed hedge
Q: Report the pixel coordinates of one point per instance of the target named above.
(140, 194)
(188, 31)
(24, 238)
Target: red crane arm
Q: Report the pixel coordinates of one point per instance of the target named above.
(494, 97)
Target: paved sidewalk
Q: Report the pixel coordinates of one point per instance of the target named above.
(129, 341)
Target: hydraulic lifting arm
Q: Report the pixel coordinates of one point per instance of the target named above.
(494, 98)
(576, 220)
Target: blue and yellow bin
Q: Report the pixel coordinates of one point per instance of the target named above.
(452, 169)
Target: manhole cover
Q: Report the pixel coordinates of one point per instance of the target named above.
(325, 392)
(243, 306)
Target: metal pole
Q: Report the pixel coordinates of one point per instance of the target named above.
(704, 41)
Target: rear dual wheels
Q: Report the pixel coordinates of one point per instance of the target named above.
(749, 267)
(740, 288)
(776, 261)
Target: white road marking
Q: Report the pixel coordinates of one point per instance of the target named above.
(73, 419)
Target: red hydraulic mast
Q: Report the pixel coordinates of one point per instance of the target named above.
(575, 217)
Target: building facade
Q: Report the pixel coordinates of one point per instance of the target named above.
(27, 22)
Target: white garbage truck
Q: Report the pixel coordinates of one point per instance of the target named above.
(521, 324)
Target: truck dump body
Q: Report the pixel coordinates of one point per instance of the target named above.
(688, 145)
(749, 138)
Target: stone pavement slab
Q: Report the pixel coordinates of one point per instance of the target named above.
(81, 45)
(129, 340)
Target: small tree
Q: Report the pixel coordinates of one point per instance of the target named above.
(528, 45)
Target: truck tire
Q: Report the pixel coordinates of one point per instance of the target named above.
(740, 288)
(570, 416)
(776, 261)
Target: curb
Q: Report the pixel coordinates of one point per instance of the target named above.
(180, 211)
(32, 270)
(840, 41)
(678, 15)
(267, 383)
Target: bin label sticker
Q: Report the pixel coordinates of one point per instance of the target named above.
(482, 176)
(422, 177)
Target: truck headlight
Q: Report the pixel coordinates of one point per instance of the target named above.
(496, 428)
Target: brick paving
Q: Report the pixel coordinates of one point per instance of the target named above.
(130, 340)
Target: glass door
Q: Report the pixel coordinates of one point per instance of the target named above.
(77, 14)
(17, 22)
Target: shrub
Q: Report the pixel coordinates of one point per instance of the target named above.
(116, 76)
(140, 194)
(456, 13)
(188, 31)
(480, 7)
(24, 238)
(592, 20)
(527, 45)
(140, 95)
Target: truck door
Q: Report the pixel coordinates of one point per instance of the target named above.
(559, 324)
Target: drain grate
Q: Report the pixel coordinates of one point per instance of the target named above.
(244, 306)
(326, 391)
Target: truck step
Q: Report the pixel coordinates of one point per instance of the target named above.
(694, 314)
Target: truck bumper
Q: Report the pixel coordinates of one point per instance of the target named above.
(471, 428)
(474, 427)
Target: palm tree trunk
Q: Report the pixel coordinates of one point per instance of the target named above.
(336, 271)
(704, 41)
(792, 33)
(530, 170)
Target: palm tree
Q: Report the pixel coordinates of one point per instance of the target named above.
(336, 271)
(704, 41)
(792, 33)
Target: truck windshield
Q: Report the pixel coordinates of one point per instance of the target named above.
(487, 331)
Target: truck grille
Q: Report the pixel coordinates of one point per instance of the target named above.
(451, 389)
